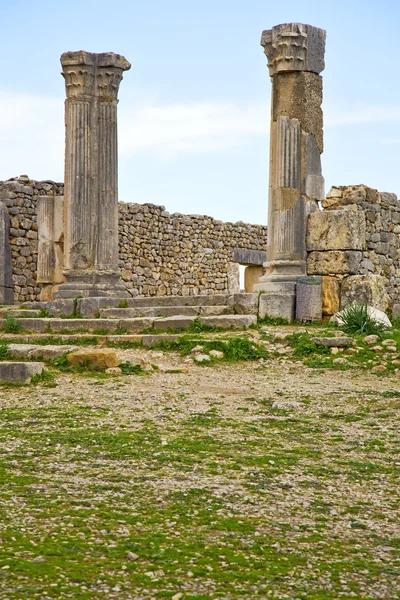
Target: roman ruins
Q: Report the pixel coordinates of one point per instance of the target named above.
(63, 241)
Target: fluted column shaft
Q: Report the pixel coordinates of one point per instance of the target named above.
(295, 58)
(91, 173)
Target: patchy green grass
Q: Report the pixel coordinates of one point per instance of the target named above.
(11, 325)
(210, 505)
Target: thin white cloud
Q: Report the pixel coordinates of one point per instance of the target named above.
(362, 114)
(198, 127)
(32, 129)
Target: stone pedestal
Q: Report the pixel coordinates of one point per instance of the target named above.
(309, 299)
(91, 194)
(295, 59)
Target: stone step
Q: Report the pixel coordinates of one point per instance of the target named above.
(20, 372)
(47, 352)
(19, 313)
(102, 325)
(31, 338)
(164, 311)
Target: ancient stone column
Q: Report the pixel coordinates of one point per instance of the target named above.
(91, 194)
(295, 59)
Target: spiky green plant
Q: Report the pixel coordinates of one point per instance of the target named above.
(356, 320)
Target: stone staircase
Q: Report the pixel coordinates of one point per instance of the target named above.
(135, 315)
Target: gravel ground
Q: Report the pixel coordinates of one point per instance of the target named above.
(245, 480)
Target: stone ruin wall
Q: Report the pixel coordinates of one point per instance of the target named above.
(159, 253)
(354, 243)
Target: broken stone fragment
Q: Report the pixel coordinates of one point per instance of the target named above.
(95, 359)
(333, 342)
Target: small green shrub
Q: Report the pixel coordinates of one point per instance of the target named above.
(3, 351)
(272, 321)
(356, 320)
(128, 369)
(43, 313)
(120, 331)
(11, 325)
(197, 327)
(123, 304)
(303, 346)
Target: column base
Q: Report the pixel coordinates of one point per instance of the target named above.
(91, 284)
(277, 305)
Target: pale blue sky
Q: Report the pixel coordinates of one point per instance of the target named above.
(194, 108)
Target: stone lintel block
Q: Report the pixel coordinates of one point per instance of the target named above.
(279, 304)
(246, 304)
(299, 96)
(294, 47)
(330, 295)
(368, 289)
(244, 256)
(33, 351)
(149, 340)
(334, 262)
(20, 372)
(336, 230)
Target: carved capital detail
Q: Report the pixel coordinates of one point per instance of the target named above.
(87, 74)
(294, 47)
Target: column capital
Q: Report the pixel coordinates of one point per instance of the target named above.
(88, 74)
(294, 47)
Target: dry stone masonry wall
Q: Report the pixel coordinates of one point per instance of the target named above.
(159, 253)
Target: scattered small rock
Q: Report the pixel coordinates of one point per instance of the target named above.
(145, 365)
(132, 556)
(216, 354)
(370, 340)
(378, 369)
(114, 371)
(201, 358)
(388, 342)
(197, 349)
(39, 559)
(340, 361)
(377, 348)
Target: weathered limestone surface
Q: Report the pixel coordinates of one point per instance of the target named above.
(6, 280)
(246, 304)
(330, 295)
(20, 372)
(295, 59)
(91, 195)
(50, 248)
(334, 262)
(245, 256)
(336, 230)
(368, 289)
(309, 299)
(252, 275)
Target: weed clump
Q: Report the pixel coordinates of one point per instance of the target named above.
(356, 320)
(11, 325)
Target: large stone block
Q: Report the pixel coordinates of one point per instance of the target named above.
(309, 299)
(246, 304)
(336, 230)
(20, 372)
(252, 276)
(244, 256)
(334, 262)
(365, 289)
(279, 304)
(330, 295)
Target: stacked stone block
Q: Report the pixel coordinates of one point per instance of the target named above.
(356, 240)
